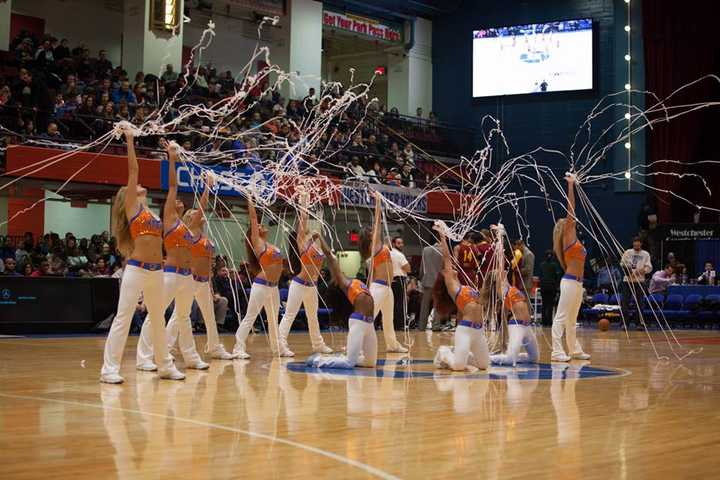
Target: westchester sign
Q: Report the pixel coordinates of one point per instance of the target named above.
(362, 25)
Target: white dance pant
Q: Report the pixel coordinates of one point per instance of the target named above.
(467, 340)
(519, 337)
(137, 281)
(566, 317)
(261, 297)
(307, 296)
(361, 339)
(203, 296)
(181, 289)
(384, 301)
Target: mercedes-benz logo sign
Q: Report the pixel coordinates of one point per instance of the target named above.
(5, 294)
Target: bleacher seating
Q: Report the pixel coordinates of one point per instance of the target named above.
(693, 310)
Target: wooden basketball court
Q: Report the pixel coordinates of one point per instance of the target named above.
(624, 415)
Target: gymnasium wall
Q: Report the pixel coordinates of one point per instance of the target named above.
(549, 120)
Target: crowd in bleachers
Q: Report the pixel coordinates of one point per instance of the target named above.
(53, 92)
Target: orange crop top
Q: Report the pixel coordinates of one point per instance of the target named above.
(381, 257)
(179, 236)
(145, 223)
(270, 256)
(465, 296)
(512, 296)
(202, 248)
(575, 251)
(312, 256)
(355, 288)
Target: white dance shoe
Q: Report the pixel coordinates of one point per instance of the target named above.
(197, 365)
(323, 349)
(171, 373)
(146, 367)
(581, 356)
(560, 357)
(219, 353)
(112, 378)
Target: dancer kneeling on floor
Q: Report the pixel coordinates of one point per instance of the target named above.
(471, 350)
(361, 340)
(520, 333)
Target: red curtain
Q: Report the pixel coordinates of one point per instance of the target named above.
(680, 43)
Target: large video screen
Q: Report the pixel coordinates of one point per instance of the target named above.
(535, 58)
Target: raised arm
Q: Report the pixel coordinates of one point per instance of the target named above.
(170, 210)
(337, 274)
(131, 205)
(197, 217)
(302, 220)
(570, 226)
(255, 239)
(377, 234)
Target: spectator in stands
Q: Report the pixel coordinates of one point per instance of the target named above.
(22, 254)
(371, 146)
(124, 94)
(707, 277)
(123, 112)
(70, 88)
(419, 112)
(52, 132)
(223, 287)
(10, 267)
(636, 264)
(73, 257)
(28, 128)
(355, 167)
(88, 106)
(661, 280)
(550, 275)
(406, 177)
(43, 270)
(609, 277)
(374, 174)
(409, 154)
(57, 260)
(102, 268)
(27, 270)
(169, 75)
(5, 96)
(62, 51)
(309, 101)
(44, 55)
(103, 66)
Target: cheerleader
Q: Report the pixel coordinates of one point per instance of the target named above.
(202, 252)
(380, 278)
(571, 254)
(519, 331)
(303, 287)
(139, 236)
(266, 262)
(449, 294)
(177, 273)
(361, 340)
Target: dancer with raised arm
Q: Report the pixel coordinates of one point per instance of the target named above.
(266, 263)
(571, 254)
(362, 339)
(202, 252)
(471, 350)
(307, 259)
(380, 277)
(139, 237)
(177, 273)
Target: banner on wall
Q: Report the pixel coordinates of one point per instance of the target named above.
(358, 195)
(363, 25)
(692, 231)
(270, 7)
(228, 183)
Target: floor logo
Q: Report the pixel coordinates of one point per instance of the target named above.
(407, 368)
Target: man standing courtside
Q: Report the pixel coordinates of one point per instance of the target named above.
(401, 268)
(432, 262)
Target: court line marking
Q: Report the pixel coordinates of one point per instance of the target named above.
(339, 458)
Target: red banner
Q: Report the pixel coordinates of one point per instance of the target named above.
(362, 25)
